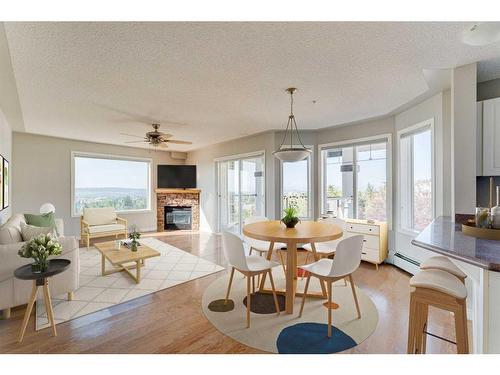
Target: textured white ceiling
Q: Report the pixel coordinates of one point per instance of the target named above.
(217, 81)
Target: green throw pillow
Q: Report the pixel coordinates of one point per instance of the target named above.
(42, 220)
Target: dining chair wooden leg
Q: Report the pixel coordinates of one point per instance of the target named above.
(248, 301)
(353, 288)
(250, 251)
(253, 284)
(330, 299)
(282, 261)
(229, 285)
(304, 295)
(276, 304)
(305, 262)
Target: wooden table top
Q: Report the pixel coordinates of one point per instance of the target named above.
(124, 255)
(305, 231)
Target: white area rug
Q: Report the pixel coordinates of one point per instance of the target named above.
(265, 329)
(174, 266)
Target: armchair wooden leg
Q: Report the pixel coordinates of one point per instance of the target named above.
(353, 288)
(248, 301)
(6, 313)
(304, 295)
(70, 296)
(88, 241)
(330, 298)
(276, 304)
(229, 286)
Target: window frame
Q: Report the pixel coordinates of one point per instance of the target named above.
(310, 187)
(91, 155)
(386, 137)
(410, 131)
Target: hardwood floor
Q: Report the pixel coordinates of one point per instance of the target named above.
(171, 320)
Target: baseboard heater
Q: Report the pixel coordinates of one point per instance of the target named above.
(408, 264)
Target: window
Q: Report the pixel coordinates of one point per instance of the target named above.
(296, 186)
(354, 179)
(416, 177)
(108, 181)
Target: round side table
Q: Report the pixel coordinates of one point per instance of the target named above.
(40, 279)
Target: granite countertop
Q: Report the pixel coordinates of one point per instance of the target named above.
(445, 236)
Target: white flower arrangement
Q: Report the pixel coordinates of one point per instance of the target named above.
(40, 248)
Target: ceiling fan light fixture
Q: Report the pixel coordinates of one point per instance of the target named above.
(291, 152)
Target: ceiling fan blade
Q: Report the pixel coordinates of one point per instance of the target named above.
(132, 135)
(136, 141)
(178, 142)
(165, 135)
(164, 145)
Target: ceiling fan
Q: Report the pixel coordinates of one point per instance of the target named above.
(156, 138)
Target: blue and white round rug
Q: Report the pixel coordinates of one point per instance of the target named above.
(289, 334)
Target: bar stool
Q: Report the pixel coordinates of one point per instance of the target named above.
(445, 291)
(444, 264)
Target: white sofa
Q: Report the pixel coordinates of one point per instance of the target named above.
(15, 292)
(101, 222)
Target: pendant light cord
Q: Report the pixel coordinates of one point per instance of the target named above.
(291, 124)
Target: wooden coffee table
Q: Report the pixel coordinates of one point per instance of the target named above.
(124, 259)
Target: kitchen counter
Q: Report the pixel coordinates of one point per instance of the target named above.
(444, 236)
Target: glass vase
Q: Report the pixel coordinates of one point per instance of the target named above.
(40, 265)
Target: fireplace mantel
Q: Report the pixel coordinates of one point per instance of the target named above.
(177, 197)
(177, 191)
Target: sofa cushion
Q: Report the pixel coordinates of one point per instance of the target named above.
(106, 228)
(30, 231)
(99, 216)
(10, 232)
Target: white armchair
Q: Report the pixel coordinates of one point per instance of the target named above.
(101, 222)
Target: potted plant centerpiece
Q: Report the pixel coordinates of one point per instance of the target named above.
(39, 249)
(134, 236)
(290, 219)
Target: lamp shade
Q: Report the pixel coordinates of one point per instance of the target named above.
(292, 154)
(47, 208)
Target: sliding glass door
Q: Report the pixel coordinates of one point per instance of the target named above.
(241, 191)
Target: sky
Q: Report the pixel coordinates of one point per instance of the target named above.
(96, 173)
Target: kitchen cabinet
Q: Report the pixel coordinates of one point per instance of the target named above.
(491, 137)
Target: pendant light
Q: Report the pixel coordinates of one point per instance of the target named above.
(293, 152)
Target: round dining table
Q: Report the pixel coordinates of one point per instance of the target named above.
(304, 232)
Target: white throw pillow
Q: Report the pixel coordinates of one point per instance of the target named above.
(29, 231)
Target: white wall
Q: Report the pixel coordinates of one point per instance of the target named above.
(42, 173)
(6, 152)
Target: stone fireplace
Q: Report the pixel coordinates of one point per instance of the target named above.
(173, 207)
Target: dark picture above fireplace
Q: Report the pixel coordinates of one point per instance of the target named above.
(177, 217)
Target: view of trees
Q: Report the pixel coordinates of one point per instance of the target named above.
(422, 203)
(121, 199)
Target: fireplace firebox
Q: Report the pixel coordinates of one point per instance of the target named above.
(177, 217)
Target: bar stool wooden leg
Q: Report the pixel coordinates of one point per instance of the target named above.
(461, 329)
(411, 325)
(419, 326)
(425, 319)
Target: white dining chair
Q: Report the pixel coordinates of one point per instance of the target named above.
(327, 248)
(249, 266)
(262, 247)
(346, 261)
